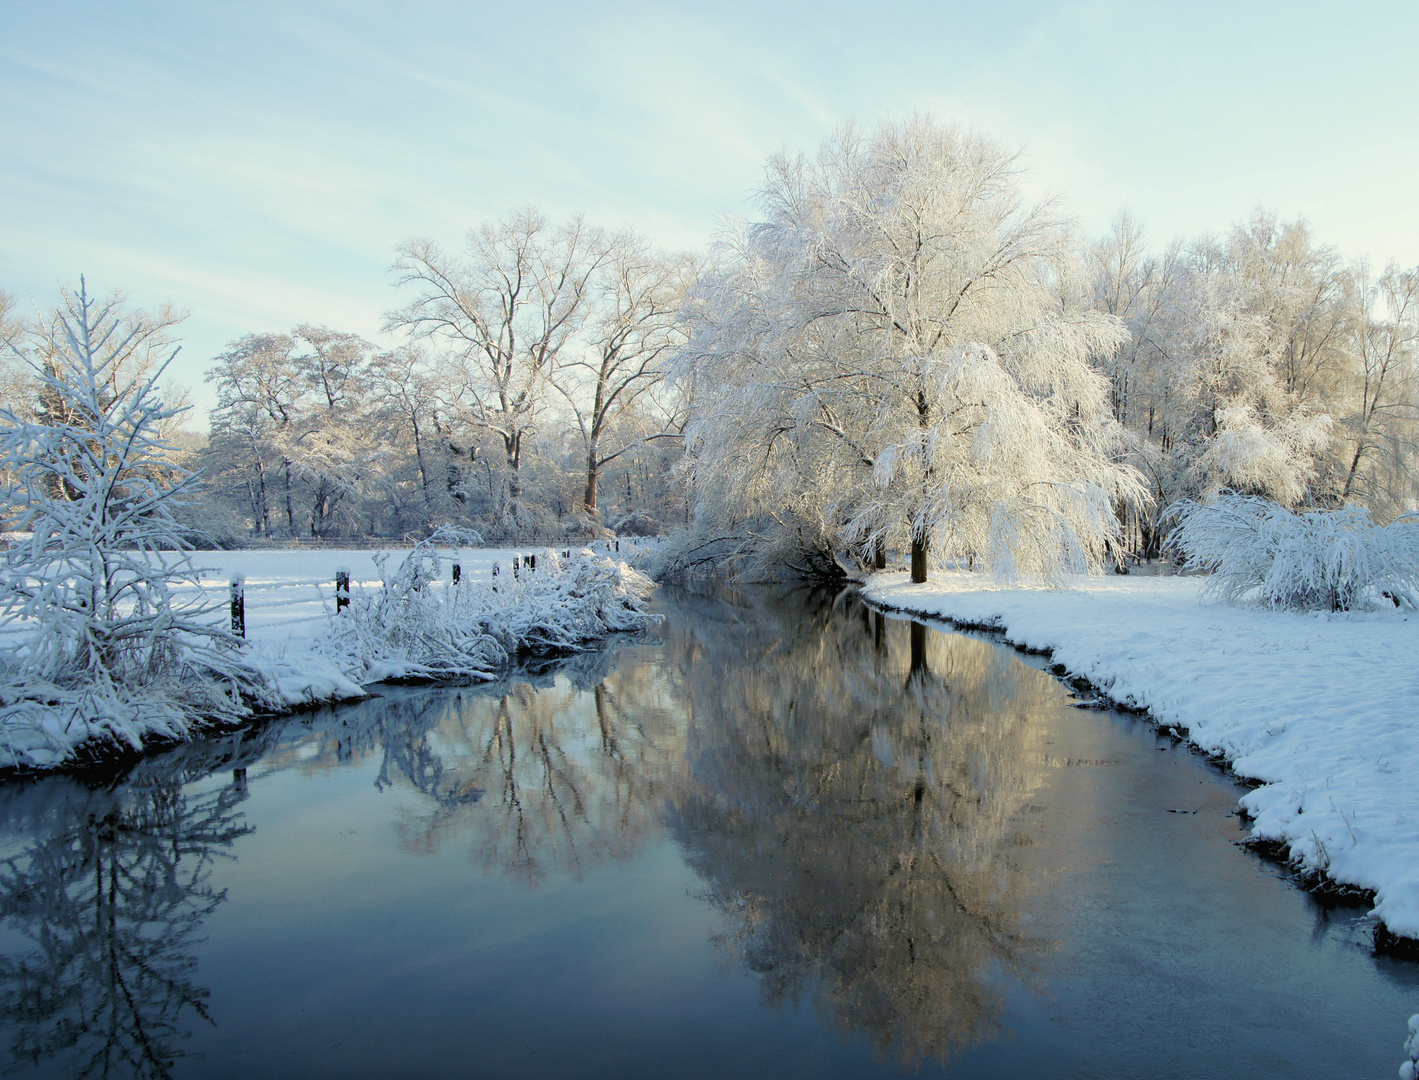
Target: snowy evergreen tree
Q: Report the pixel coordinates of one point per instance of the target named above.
(96, 645)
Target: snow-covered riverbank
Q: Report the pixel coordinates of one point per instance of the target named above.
(1321, 710)
(405, 621)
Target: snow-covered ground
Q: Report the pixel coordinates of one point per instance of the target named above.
(301, 656)
(1323, 710)
(287, 590)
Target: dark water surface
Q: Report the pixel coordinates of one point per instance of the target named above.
(781, 837)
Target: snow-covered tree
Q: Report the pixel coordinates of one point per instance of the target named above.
(1380, 428)
(291, 426)
(630, 334)
(1269, 341)
(504, 311)
(899, 353)
(1322, 560)
(1245, 366)
(96, 646)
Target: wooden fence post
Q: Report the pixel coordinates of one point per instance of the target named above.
(238, 595)
(342, 590)
(457, 573)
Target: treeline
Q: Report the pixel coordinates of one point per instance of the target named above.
(1262, 362)
(899, 353)
(528, 401)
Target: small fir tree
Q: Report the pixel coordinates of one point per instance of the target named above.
(96, 643)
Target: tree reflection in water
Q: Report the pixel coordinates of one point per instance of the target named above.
(537, 773)
(853, 785)
(845, 786)
(109, 897)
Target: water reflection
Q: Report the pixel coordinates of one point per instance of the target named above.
(852, 787)
(843, 785)
(107, 899)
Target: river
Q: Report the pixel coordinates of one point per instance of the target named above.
(782, 835)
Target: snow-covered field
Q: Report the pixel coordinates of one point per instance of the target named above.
(287, 591)
(1323, 710)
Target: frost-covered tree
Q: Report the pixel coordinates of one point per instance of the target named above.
(1379, 431)
(96, 646)
(1269, 341)
(630, 334)
(504, 311)
(1322, 560)
(1247, 367)
(899, 353)
(291, 426)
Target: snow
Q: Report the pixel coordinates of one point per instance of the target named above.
(304, 656)
(1322, 709)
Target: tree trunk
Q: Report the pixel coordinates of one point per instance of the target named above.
(593, 474)
(879, 555)
(263, 522)
(290, 508)
(423, 476)
(918, 559)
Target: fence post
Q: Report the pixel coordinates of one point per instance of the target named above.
(516, 573)
(342, 590)
(618, 545)
(457, 573)
(531, 561)
(238, 595)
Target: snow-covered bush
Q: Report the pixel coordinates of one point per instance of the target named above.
(93, 645)
(1409, 1068)
(1316, 561)
(413, 626)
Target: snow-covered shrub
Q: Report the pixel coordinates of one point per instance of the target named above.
(413, 626)
(1409, 1068)
(1317, 561)
(93, 645)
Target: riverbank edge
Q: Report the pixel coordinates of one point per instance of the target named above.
(100, 758)
(1326, 890)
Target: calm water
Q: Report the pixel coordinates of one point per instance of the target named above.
(781, 837)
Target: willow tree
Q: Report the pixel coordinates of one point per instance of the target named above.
(898, 352)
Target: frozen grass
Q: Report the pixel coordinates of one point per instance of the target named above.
(1321, 709)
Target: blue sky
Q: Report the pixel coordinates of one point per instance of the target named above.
(255, 164)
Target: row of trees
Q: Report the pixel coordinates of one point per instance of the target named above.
(1264, 363)
(900, 353)
(533, 365)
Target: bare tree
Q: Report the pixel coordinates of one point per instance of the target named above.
(632, 330)
(504, 310)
